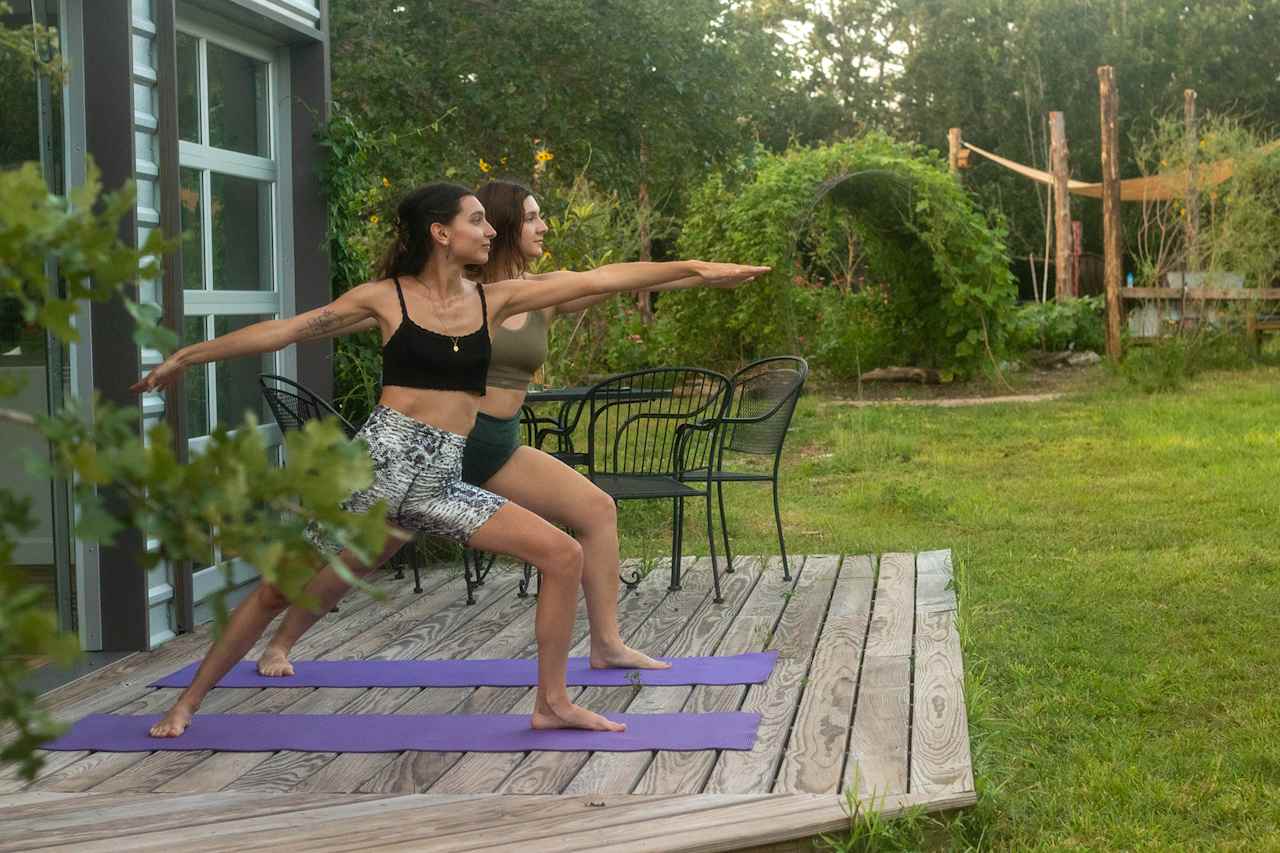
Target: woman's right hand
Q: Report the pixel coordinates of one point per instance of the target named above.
(726, 275)
(161, 376)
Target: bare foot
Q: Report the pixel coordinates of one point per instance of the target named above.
(274, 664)
(570, 716)
(173, 723)
(624, 657)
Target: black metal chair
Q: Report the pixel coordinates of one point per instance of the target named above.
(646, 430)
(765, 393)
(293, 405)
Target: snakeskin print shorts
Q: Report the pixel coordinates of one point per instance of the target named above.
(417, 470)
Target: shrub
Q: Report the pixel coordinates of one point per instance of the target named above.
(1074, 324)
(891, 222)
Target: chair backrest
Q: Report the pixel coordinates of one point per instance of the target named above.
(765, 393)
(293, 405)
(635, 420)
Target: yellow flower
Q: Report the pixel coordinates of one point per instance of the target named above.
(385, 183)
(544, 155)
(484, 167)
(503, 161)
(375, 219)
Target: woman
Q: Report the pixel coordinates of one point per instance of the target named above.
(494, 458)
(433, 378)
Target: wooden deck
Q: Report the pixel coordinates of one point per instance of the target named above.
(867, 696)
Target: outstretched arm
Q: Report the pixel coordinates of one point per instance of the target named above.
(348, 313)
(517, 296)
(575, 305)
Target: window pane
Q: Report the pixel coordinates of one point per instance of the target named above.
(241, 233)
(238, 102)
(192, 240)
(237, 380)
(188, 88)
(197, 381)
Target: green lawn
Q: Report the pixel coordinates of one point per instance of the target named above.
(1120, 585)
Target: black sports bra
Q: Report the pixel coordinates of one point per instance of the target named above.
(414, 357)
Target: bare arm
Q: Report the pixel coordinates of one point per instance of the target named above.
(348, 313)
(517, 296)
(576, 305)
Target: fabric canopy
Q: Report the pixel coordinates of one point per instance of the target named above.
(1150, 188)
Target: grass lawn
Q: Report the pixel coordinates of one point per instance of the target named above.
(1120, 585)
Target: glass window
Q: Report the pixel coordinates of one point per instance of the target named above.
(238, 119)
(237, 380)
(196, 384)
(192, 234)
(242, 225)
(188, 88)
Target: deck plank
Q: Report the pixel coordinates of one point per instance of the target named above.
(478, 772)
(684, 634)
(742, 772)
(877, 762)
(940, 758)
(815, 756)
(751, 631)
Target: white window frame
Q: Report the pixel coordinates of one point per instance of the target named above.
(277, 170)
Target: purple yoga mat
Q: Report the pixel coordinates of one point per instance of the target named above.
(753, 668)
(399, 732)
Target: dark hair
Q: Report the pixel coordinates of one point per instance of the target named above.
(417, 212)
(504, 208)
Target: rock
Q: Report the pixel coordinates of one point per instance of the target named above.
(925, 376)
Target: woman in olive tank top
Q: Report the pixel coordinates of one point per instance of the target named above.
(494, 457)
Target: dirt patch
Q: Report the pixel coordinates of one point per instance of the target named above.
(953, 402)
(1024, 383)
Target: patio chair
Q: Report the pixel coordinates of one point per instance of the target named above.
(764, 398)
(293, 405)
(646, 430)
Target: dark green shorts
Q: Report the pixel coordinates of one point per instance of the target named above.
(491, 443)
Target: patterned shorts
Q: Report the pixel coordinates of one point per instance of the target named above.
(417, 470)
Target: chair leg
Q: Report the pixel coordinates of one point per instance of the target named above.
(467, 556)
(782, 545)
(400, 558)
(522, 588)
(417, 574)
(724, 531)
(711, 543)
(677, 523)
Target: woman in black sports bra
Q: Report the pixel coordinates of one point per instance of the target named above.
(434, 373)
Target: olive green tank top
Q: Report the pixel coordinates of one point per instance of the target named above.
(518, 353)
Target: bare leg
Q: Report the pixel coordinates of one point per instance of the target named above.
(328, 589)
(250, 618)
(516, 531)
(553, 490)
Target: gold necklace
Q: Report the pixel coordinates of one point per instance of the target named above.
(453, 338)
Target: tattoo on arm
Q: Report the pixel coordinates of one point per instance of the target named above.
(323, 323)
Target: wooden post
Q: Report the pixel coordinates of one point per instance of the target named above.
(1192, 200)
(1112, 259)
(954, 147)
(1063, 280)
